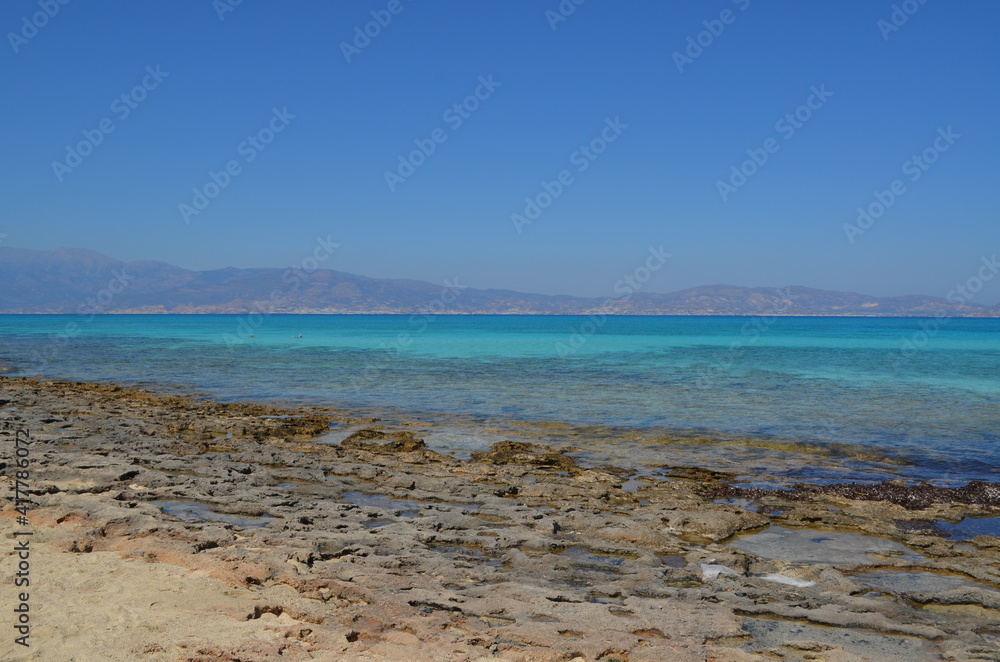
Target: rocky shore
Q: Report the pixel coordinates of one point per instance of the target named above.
(173, 528)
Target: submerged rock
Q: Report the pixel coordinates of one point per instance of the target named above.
(519, 452)
(398, 442)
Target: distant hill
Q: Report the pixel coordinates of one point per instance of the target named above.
(74, 280)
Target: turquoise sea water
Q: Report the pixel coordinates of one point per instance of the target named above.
(924, 394)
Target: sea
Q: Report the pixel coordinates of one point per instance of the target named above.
(772, 399)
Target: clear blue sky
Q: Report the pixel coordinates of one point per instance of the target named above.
(656, 184)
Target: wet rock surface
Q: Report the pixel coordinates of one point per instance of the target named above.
(911, 497)
(379, 548)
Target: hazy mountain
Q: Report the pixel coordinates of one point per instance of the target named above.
(73, 280)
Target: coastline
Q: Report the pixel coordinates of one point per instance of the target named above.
(378, 548)
(237, 312)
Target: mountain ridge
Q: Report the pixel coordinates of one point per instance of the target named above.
(76, 280)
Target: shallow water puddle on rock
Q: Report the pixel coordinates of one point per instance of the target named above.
(600, 598)
(199, 511)
(971, 527)
(376, 523)
(915, 582)
(404, 507)
(672, 560)
(293, 484)
(633, 485)
(588, 569)
(816, 546)
(745, 504)
(794, 641)
(586, 559)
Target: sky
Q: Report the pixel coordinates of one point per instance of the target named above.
(535, 145)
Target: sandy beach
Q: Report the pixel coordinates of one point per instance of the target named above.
(168, 528)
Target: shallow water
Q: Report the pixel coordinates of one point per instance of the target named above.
(850, 387)
(403, 507)
(584, 558)
(817, 546)
(197, 511)
(914, 582)
(970, 527)
(774, 634)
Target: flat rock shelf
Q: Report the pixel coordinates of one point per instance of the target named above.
(175, 528)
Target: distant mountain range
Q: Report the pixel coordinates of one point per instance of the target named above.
(74, 280)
